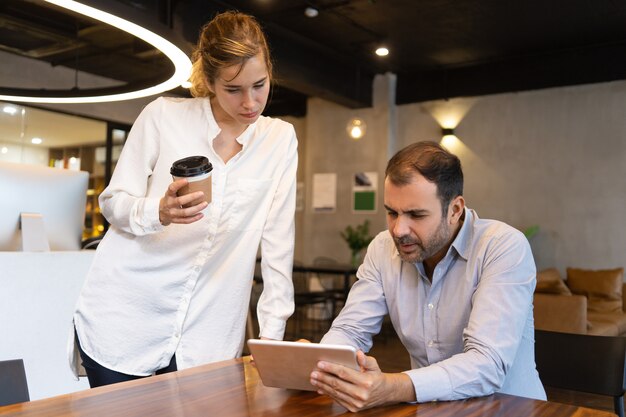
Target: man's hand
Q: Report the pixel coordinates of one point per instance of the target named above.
(171, 206)
(358, 390)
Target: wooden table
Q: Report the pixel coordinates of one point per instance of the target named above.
(232, 389)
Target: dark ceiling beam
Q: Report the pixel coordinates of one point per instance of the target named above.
(317, 74)
(572, 67)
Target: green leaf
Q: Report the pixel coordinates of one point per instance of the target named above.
(357, 237)
(531, 231)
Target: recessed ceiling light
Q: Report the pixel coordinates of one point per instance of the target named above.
(180, 60)
(311, 12)
(36, 141)
(10, 110)
(382, 51)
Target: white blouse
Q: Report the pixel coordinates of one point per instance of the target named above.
(155, 290)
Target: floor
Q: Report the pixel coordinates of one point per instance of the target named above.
(392, 357)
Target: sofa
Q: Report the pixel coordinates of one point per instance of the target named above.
(586, 302)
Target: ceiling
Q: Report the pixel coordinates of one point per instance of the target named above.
(438, 48)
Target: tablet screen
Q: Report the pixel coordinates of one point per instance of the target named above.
(289, 364)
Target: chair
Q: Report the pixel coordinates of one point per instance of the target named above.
(310, 306)
(577, 362)
(91, 243)
(13, 385)
(329, 282)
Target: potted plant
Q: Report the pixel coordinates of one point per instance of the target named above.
(357, 239)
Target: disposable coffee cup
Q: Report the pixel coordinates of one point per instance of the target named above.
(197, 171)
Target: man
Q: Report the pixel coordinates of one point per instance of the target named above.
(458, 290)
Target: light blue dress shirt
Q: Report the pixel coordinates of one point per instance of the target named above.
(470, 332)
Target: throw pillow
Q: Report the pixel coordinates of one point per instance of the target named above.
(549, 282)
(603, 288)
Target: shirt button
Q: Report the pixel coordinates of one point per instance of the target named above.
(430, 306)
(430, 343)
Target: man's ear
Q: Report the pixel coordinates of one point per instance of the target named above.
(456, 209)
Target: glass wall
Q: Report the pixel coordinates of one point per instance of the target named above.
(30, 135)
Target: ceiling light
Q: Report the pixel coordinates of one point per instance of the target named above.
(382, 51)
(36, 141)
(180, 60)
(311, 12)
(356, 128)
(10, 110)
(5, 149)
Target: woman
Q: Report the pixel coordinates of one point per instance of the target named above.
(169, 287)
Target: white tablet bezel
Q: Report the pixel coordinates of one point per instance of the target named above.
(289, 364)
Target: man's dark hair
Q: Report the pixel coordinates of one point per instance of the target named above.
(434, 163)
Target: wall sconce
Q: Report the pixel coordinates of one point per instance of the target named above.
(448, 138)
(356, 128)
(447, 133)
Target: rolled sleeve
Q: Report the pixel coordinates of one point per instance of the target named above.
(145, 216)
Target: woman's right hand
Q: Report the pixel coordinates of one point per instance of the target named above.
(171, 206)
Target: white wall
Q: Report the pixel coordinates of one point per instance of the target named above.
(555, 158)
(328, 149)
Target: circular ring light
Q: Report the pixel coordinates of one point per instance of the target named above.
(182, 64)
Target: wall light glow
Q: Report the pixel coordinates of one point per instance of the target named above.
(180, 60)
(356, 128)
(450, 142)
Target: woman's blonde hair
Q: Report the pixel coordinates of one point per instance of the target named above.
(230, 38)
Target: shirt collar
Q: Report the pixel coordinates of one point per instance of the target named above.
(463, 239)
(214, 128)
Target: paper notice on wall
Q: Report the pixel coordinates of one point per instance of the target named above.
(324, 193)
(364, 189)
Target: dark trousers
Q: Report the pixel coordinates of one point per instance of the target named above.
(98, 375)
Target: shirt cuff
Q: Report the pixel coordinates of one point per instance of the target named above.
(151, 215)
(273, 329)
(431, 383)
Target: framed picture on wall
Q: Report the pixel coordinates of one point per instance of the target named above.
(364, 189)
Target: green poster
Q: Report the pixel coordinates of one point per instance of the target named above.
(364, 200)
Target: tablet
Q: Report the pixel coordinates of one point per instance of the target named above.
(289, 364)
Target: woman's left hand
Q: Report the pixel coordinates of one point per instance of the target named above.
(171, 205)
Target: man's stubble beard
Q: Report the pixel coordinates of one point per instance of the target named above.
(440, 239)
